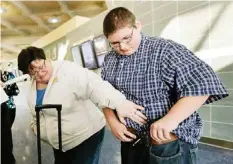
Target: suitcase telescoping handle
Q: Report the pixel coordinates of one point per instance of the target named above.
(38, 108)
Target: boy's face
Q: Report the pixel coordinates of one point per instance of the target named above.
(126, 40)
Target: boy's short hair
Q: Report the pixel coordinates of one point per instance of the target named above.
(116, 19)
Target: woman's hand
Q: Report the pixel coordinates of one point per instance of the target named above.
(131, 110)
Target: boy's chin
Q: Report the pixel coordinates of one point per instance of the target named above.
(128, 52)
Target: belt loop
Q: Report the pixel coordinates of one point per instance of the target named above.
(148, 139)
(145, 138)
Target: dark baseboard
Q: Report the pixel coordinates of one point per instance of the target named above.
(217, 142)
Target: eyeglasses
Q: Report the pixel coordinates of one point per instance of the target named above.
(125, 40)
(34, 73)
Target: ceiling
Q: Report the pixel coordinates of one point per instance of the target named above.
(24, 22)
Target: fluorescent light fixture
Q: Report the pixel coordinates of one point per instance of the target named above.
(53, 20)
(2, 10)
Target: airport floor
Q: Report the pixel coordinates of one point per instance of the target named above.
(110, 153)
(207, 154)
(25, 148)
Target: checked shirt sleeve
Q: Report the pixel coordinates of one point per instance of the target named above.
(189, 75)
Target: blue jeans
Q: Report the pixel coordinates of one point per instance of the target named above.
(87, 152)
(175, 152)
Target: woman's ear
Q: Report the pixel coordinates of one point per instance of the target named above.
(138, 25)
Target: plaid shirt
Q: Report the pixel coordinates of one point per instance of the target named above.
(157, 75)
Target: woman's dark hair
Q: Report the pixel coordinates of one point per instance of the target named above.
(116, 19)
(26, 56)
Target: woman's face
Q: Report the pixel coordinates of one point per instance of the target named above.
(41, 70)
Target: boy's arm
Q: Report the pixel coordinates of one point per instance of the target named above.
(161, 129)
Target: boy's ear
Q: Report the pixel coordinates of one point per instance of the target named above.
(138, 25)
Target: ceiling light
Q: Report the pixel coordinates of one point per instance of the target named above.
(53, 20)
(2, 10)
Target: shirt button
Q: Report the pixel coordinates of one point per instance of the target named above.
(122, 91)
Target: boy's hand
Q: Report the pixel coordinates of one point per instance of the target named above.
(120, 131)
(160, 130)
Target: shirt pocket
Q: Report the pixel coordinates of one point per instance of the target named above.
(134, 82)
(152, 87)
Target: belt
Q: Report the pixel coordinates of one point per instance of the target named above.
(144, 137)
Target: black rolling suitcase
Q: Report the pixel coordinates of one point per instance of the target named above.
(38, 108)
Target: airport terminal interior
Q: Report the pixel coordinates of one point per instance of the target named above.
(73, 31)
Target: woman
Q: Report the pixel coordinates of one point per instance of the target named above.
(80, 92)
